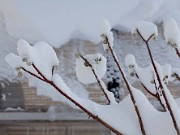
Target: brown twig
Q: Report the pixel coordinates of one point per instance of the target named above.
(32, 74)
(53, 70)
(177, 52)
(159, 81)
(127, 84)
(154, 95)
(72, 100)
(103, 90)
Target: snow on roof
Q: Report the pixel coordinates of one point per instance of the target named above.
(56, 22)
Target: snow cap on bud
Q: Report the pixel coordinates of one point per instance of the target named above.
(23, 48)
(130, 61)
(175, 74)
(84, 72)
(131, 64)
(20, 73)
(13, 60)
(146, 29)
(171, 32)
(106, 35)
(166, 71)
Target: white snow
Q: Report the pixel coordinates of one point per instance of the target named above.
(106, 32)
(3, 98)
(151, 118)
(23, 48)
(13, 109)
(85, 74)
(130, 60)
(146, 29)
(57, 22)
(24, 19)
(13, 60)
(41, 55)
(172, 33)
(166, 72)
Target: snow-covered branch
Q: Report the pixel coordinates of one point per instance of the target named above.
(108, 44)
(151, 30)
(96, 63)
(172, 34)
(40, 61)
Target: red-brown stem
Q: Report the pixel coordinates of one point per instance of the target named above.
(154, 95)
(53, 70)
(89, 65)
(32, 74)
(37, 70)
(72, 100)
(160, 83)
(177, 52)
(127, 85)
(158, 96)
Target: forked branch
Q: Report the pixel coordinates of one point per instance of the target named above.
(160, 87)
(71, 99)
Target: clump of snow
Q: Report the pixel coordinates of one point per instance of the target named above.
(166, 72)
(171, 33)
(24, 48)
(13, 109)
(146, 29)
(106, 33)
(51, 113)
(110, 95)
(3, 98)
(131, 64)
(130, 60)
(84, 72)
(13, 60)
(44, 57)
(147, 74)
(41, 55)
